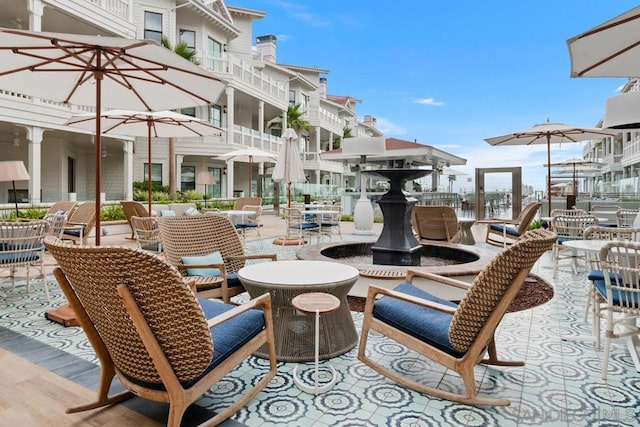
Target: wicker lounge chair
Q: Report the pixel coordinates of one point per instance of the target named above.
(132, 208)
(501, 232)
(241, 202)
(149, 330)
(211, 244)
(62, 207)
(435, 223)
(81, 223)
(456, 336)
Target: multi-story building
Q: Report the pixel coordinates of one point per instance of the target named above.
(258, 93)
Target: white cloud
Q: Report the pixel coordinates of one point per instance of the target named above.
(429, 101)
(389, 128)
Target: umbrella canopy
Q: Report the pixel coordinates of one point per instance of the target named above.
(289, 167)
(102, 71)
(249, 155)
(150, 124)
(573, 163)
(611, 49)
(547, 133)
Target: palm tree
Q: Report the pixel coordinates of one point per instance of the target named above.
(452, 178)
(183, 50)
(346, 133)
(294, 120)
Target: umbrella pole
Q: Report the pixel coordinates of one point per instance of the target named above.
(549, 171)
(149, 168)
(288, 196)
(250, 173)
(98, 76)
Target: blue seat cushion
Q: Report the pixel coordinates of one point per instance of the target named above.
(72, 232)
(428, 325)
(227, 337)
(246, 225)
(619, 297)
(502, 229)
(11, 257)
(306, 226)
(154, 247)
(212, 258)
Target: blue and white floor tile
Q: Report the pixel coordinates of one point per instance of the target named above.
(560, 384)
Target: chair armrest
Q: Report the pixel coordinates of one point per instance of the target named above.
(437, 278)
(263, 301)
(272, 257)
(375, 290)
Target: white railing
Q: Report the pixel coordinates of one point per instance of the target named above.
(120, 8)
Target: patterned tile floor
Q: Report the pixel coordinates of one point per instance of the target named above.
(560, 384)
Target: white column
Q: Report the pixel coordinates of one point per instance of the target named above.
(36, 10)
(230, 164)
(34, 137)
(261, 123)
(230, 115)
(127, 148)
(178, 176)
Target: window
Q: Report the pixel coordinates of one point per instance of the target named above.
(215, 190)
(215, 115)
(292, 97)
(214, 53)
(71, 175)
(305, 102)
(187, 178)
(191, 111)
(156, 173)
(188, 37)
(153, 26)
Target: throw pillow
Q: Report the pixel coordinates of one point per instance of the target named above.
(191, 211)
(167, 213)
(214, 258)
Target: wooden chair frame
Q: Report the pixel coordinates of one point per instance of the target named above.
(83, 218)
(495, 235)
(513, 264)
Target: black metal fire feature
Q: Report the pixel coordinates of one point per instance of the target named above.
(396, 244)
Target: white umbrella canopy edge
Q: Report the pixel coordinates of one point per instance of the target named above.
(611, 49)
(145, 124)
(138, 74)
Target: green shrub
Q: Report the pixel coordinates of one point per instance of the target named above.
(191, 195)
(112, 213)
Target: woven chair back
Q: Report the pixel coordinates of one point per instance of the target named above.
(22, 242)
(568, 212)
(244, 201)
(525, 218)
(489, 287)
(626, 217)
(171, 310)
(195, 235)
(435, 222)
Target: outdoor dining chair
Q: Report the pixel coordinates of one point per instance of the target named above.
(22, 247)
(618, 286)
(149, 330)
(569, 227)
(456, 336)
(146, 233)
(625, 217)
(131, 208)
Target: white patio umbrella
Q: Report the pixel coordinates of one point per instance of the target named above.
(249, 155)
(611, 49)
(547, 133)
(289, 167)
(573, 163)
(102, 72)
(150, 124)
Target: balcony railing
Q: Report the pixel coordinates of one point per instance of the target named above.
(120, 8)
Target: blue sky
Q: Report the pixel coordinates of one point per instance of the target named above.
(452, 73)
